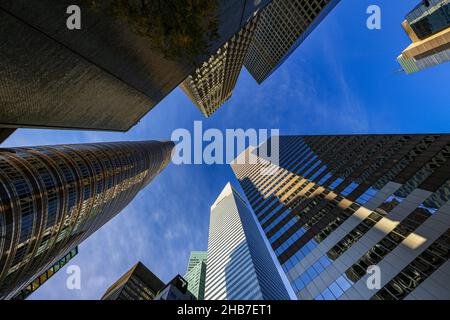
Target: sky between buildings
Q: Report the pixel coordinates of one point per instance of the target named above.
(341, 80)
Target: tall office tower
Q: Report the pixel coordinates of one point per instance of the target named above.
(211, 85)
(335, 205)
(138, 283)
(41, 279)
(176, 289)
(54, 197)
(196, 274)
(239, 265)
(282, 27)
(428, 27)
(62, 60)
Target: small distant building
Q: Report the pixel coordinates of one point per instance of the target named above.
(428, 27)
(138, 283)
(176, 289)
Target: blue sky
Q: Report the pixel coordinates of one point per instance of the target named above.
(342, 79)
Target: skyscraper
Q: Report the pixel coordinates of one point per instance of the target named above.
(336, 205)
(196, 274)
(239, 265)
(54, 197)
(283, 25)
(211, 85)
(138, 283)
(131, 53)
(47, 274)
(176, 289)
(428, 27)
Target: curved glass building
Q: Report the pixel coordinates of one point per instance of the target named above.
(54, 197)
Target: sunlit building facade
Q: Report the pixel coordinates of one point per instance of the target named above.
(54, 197)
(138, 283)
(196, 274)
(211, 85)
(335, 205)
(283, 25)
(428, 27)
(239, 265)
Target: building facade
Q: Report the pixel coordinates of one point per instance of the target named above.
(211, 85)
(5, 134)
(336, 205)
(239, 263)
(124, 53)
(138, 283)
(41, 279)
(196, 274)
(176, 289)
(428, 27)
(283, 25)
(54, 197)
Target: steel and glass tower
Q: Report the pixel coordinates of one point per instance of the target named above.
(283, 25)
(239, 263)
(196, 274)
(335, 205)
(211, 85)
(138, 283)
(428, 27)
(54, 197)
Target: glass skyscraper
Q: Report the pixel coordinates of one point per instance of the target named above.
(283, 25)
(196, 274)
(335, 205)
(54, 197)
(212, 84)
(41, 279)
(428, 27)
(239, 265)
(176, 289)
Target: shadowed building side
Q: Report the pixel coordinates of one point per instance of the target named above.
(35, 284)
(138, 283)
(5, 133)
(283, 25)
(54, 197)
(211, 85)
(126, 57)
(196, 274)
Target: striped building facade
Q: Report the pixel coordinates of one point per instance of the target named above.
(336, 205)
(196, 274)
(239, 263)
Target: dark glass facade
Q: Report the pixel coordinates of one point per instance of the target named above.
(39, 281)
(339, 204)
(138, 283)
(176, 289)
(282, 26)
(239, 265)
(54, 197)
(427, 20)
(196, 274)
